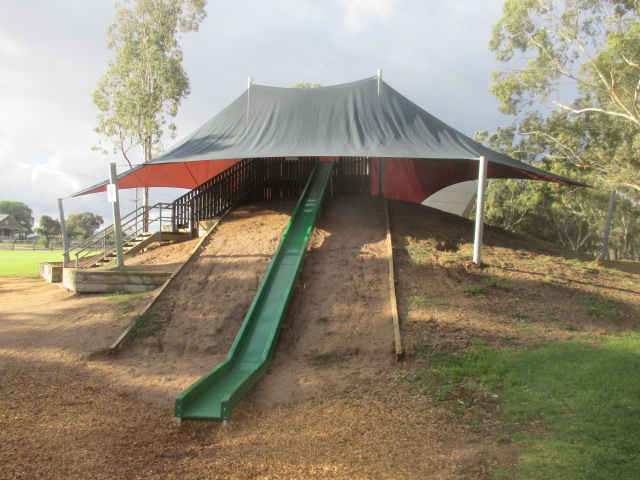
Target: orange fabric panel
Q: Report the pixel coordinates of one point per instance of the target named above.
(414, 179)
(180, 175)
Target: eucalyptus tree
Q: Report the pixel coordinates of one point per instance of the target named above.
(82, 225)
(48, 228)
(570, 215)
(145, 81)
(582, 58)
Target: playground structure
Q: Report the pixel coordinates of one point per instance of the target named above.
(362, 137)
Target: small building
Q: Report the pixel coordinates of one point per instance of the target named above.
(9, 228)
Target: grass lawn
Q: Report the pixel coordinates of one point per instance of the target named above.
(583, 394)
(24, 263)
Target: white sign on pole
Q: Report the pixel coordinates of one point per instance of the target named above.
(111, 193)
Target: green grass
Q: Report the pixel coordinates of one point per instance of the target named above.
(584, 397)
(473, 289)
(417, 301)
(144, 326)
(123, 300)
(417, 254)
(493, 282)
(24, 263)
(600, 307)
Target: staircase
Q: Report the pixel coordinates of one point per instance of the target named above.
(131, 246)
(100, 249)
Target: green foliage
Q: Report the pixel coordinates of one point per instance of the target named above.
(582, 394)
(579, 60)
(48, 228)
(145, 82)
(82, 225)
(571, 216)
(590, 45)
(19, 211)
(305, 85)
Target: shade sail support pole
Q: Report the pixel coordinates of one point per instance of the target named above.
(249, 84)
(63, 230)
(607, 227)
(482, 187)
(379, 75)
(113, 178)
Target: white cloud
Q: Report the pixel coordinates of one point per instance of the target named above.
(361, 13)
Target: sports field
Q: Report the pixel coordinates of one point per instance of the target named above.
(21, 263)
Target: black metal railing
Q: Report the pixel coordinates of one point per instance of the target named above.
(219, 193)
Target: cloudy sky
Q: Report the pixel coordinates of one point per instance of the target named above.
(52, 53)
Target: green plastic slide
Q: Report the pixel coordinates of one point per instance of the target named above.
(216, 393)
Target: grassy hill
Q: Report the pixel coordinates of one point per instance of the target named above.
(539, 346)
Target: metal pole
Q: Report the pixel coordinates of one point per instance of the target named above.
(381, 176)
(63, 228)
(482, 181)
(160, 225)
(249, 84)
(113, 178)
(607, 227)
(379, 80)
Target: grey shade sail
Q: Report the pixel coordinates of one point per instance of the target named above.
(366, 118)
(348, 120)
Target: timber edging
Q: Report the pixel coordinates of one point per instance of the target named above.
(392, 286)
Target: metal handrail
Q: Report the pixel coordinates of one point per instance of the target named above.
(102, 244)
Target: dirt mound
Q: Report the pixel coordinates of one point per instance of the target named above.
(339, 327)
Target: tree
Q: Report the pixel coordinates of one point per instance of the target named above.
(47, 229)
(568, 215)
(583, 60)
(19, 211)
(82, 225)
(145, 82)
(305, 85)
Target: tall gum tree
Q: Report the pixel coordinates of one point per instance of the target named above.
(581, 57)
(145, 82)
